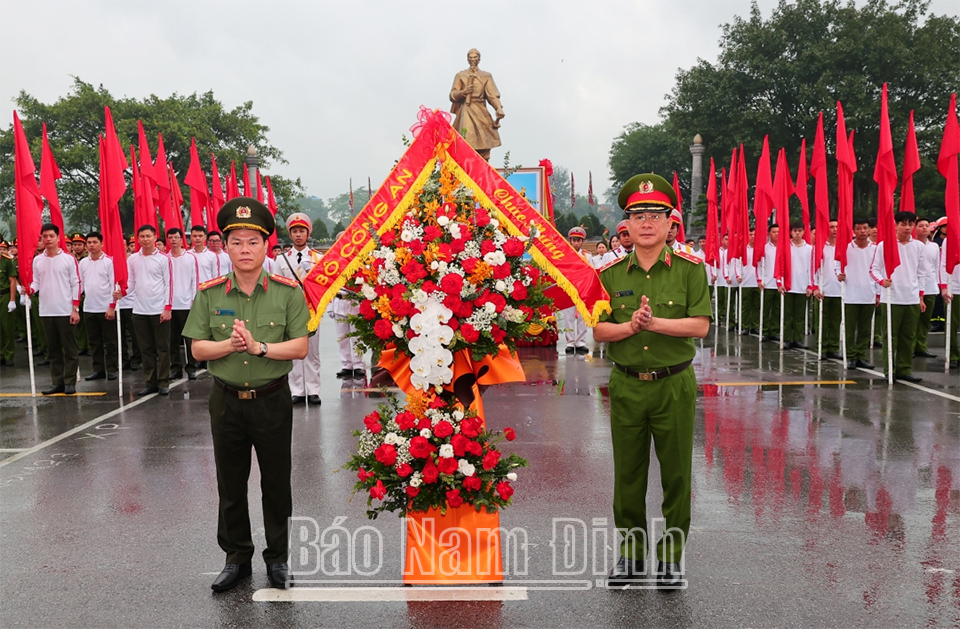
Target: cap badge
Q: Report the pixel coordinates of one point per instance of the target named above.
(646, 187)
(243, 212)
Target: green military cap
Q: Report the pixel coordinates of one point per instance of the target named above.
(647, 193)
(78, 237)
(245, 213)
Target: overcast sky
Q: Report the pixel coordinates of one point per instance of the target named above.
(339, 82)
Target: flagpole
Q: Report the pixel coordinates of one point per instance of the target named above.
(946, 344)
(889, 339)
(820, 330)
(782, 302)
(740, 310)
(726, 317)
(33, 377)
(762, 291)
(116, 317)
(843, 322)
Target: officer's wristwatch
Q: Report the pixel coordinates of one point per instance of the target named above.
(263, 350)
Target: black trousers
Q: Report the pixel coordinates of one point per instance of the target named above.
(103, 340)
(126, 325)
(178, 318)
(266, 424)
(61, 349)
(154, 338)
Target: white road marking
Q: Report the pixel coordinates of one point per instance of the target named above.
(387, 594)
(13, 449)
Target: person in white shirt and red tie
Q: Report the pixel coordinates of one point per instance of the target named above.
(56, 277)
(801, 287)
(99, 308)
(905, 288)
(186, 273)
(151, 280)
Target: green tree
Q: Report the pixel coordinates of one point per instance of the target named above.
(75, 121)
(320, 231)
(591, 223)
(338, 227)
(643, 148)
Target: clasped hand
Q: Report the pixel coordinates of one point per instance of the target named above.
(642, 317)
(242, 340)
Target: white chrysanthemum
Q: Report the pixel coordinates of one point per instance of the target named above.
(443, 220)
(446, 451)
(495, 258)
(500, 286)
(391, 438)
(415, 482)
(511, 476)
(426, 433)
(368, 292)
(454, 230)
(490, 307)
(465, 467)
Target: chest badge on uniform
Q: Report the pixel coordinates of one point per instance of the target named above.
(218, 312)
(623, 293)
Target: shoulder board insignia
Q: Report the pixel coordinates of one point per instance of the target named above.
(610, 264)
(284, 280)
(211, 283)
(689, 257)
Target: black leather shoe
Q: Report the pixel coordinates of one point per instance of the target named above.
(96, 375)
(314, 399)
(297, 399)
(70, 389)
(864, 364)
(569, 350)
(360, 373)
(835, 355)
(627, 572)
(191, 375)
(583, 351)
(954, 364)
(798, 345)
(279, 575)
(878, 344)
(164, 390)
(344, 373)
(111, 375)
(147, 391)
(908, 378)
(83, 352)
(924, 354)
(43, 363)
(176, 375)
(134, 366)
(851, 364)
(230, 576)
(54, 389)
(668, 576)
(7, 363)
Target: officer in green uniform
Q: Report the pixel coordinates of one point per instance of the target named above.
(8, 305)
(660, 303)
(249, 326)
(78, 247)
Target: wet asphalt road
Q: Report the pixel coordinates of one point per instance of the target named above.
(814, 505)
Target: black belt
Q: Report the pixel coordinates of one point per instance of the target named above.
(658, 374)
(251, 394)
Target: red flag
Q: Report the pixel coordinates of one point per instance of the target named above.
(846, 166)
(762, 203)
(911, 164)
(744, 208)
(351, 195)
(821, 200)
(947, 165)
(590, 189)
(176, 199)
(782, 191)
(729, 199)
(29, 205)
(246, 182)
(115, 162)
(49, 173)
(272, 206)
(711, 248)
(802, 190)
(681, 236)
(216, 192)
(260, 188)
(113, 186)
(150, 195)
(885, 174)
(197, 182)
(162, 178)
(233, 188)
(573, 194)
(140, 217)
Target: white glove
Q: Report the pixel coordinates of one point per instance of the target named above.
(25, 301)
(11, 306)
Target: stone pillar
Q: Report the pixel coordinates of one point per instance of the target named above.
(253, 163)
(696, 183)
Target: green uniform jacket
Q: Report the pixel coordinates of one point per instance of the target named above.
(8, 269)
(676, 288)
(275, 312)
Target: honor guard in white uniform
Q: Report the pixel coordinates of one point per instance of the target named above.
(574, 327)
(351, 361)
(297, 264)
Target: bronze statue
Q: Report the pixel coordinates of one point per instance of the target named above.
(472, 90)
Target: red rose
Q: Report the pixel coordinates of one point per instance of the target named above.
(454, 499)
(372, 422)
(486, 247)
(404, 470)
(383, 329)
(420, 448)
(416, 247)
(509, 434)
(498, 300)
(451, 284)
(469, 333)
(400, 306)
(367, 311)
(501, 271)
(444, 252)
(443, 429)
(430, 473)
(457, 245)
(429, 287)
(482, 218)
(378, 491)
(453, 302)
(413, 271)
(513, 247)
(424, 423)
(381, 290)
(470, 426)
(398, 290)
(388, 238)
(387, 454)
(466, 309)
(490, 459)
(453, 323)
(504, 489)
(472, 483)
(447, 465)
(497, 333)
(363, 475)
(474, 448)
(532, 272)
(406, 420)
(469, 264)
(519, 291)
(412, 491)
(431, 233)
(437, 402)
(459, 443)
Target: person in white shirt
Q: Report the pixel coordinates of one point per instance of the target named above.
(905, 290)
(721, 281)
(765, 281)
(828, 291)
(931, 254)
(186, 278)
(603, 256)
(206, 260)
(99, 308)
(574, 327)
(949, 284)
(801, 287)
(862, 295)
(56, 277)
(151, 280)
(296, 264)
(215, 243)
(351, 361)
(131, 361)
(625, 247)
(746, 277)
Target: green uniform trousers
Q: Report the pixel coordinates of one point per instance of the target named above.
(83, 340)
(154, 339)
(126, 325)
(723, 295)
(266, 425)
(831, 323)
(771, 312)
(664, 410)
(794, 311)
(903, 330)
(923, 324)
(954, 329)
(8, 331)
(36, 327)
(61, 350)
(880, 325)
(178, 318)
(751, 308)
(858, 318)
(103, 341)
